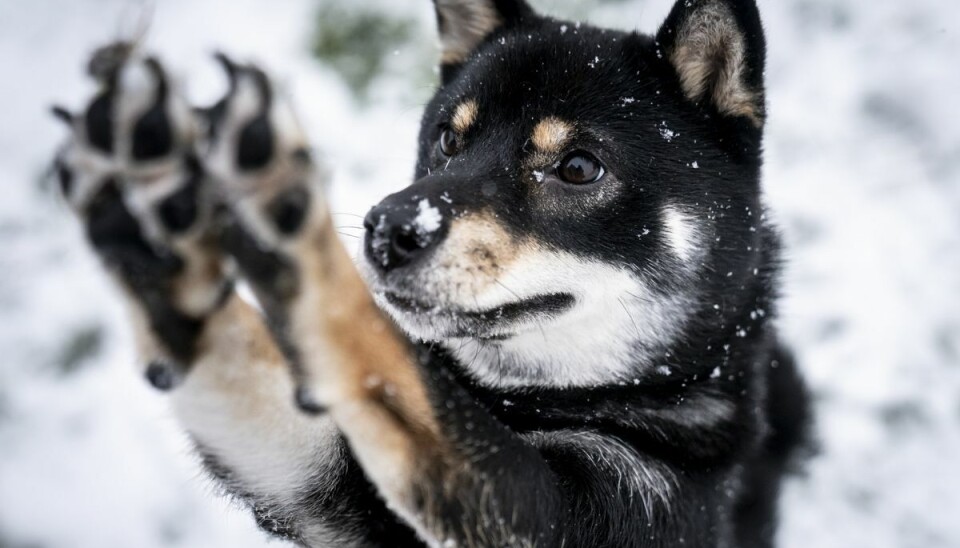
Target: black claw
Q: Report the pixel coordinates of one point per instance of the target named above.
(230, 67)
(105, 62)
(264, 87)
(62, 114)
(153, 132)
(307, 403)
(64, 178)
(163, 376)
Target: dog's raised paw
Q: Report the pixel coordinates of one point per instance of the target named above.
(260, 157)
(281, 232)
(260, 154)
(129, 170)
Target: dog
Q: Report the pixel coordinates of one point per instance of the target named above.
(560, 335)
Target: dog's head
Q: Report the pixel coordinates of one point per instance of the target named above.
(584, 197)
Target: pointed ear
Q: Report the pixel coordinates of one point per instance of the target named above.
(717, 49)
(465, 24)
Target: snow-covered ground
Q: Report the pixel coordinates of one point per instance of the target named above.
(863, 173)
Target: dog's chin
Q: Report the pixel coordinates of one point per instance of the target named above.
(428, 319)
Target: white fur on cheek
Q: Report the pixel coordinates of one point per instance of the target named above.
(681, 233)
(616, 328)
(612, 334)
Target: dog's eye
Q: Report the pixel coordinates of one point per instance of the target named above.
(580, 168)
(448, 142)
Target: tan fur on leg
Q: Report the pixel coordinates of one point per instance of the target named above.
(359, 366)
(237, 404)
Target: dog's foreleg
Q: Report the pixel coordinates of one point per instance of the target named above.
(440, 461)
(128, 171)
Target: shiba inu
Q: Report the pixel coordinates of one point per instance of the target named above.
(558, 335)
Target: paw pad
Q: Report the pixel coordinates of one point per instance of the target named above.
(289, 209)
(179, 211)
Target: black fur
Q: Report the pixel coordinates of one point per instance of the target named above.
(624, 88)
(148, 272)
(532, 476)
(179, 211)
(275, 281)
(535, 465)
(511, 14)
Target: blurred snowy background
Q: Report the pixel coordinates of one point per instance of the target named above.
(863, 173)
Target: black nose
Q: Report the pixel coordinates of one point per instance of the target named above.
(399, 234)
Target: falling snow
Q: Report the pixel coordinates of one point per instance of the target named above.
(667, 133)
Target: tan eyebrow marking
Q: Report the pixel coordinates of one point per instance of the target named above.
(464, 116)
(551, 135)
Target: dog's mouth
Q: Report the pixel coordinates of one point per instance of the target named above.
(493, 323)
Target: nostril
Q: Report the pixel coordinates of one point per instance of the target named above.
(406, 241)
(397, 235)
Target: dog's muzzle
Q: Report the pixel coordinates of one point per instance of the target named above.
(401, 230)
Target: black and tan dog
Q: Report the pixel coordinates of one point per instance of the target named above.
(558, 335)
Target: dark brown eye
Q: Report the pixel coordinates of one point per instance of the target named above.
(448, 142)
(580, 168)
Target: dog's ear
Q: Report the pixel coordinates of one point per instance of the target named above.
(717, 49)
(465, 24)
